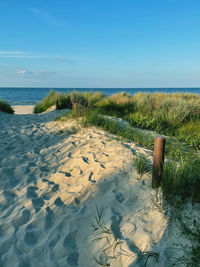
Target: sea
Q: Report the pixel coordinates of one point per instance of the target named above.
(31, 96)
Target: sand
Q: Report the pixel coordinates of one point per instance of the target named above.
(23, 109)
(55, 177)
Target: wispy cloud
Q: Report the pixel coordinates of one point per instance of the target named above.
(17, 54)
(25, 72)
(47, 17)
(10, 52)
(23, 54)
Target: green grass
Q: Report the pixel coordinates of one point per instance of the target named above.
(175, 115)
(167, 114)
(68, 100)
(47, 102)
(5, 107)
(64, 101)
(142, 164)
(190, 133)
(181, 180)
(117, 104)
(170, 114)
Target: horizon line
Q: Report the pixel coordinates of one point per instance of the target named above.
(47, 87)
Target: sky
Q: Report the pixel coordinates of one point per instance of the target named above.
(100, 43)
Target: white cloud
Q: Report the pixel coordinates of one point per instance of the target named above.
(25, 72)
(17, 54)
(47, 17)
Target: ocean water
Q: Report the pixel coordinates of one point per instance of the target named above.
(31, 96)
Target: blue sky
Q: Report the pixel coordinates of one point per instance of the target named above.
(100, 43)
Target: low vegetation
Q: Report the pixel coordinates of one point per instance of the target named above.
(5, 107)
(175, 115)
(69, 100)
(115, 240)
(169, 114)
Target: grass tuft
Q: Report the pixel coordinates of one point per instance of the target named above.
(142, 165)
(5, 107)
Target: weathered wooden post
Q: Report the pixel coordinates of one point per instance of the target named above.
(158, 161)
(56, 104)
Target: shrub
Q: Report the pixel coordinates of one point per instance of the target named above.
(64, 101)
(5, 107)
(47, 102)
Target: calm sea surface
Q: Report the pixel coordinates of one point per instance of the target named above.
(28, 96)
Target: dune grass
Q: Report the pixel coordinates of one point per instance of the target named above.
(68, 100)
(5, 107)
(175, 115)
(169, 114)
(47, 102)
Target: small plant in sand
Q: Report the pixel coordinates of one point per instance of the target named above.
(111, 252)
(142, 165)
(190, 227)
(115, 241)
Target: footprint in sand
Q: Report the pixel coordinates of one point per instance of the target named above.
(68, 174)
(23, 219)
(9, 197)
(47, 181)
(102, 166)
(55, 188)
(46, 196)
(119, 196)
(31, 192)
(90, 178)
(116, 219)
(58, 202)
(71, 248)
(38, 203)
(77, 201)
(31, 179)
(85, 159)
(10, 178)
(49, 219)
(31, 236)
(44, 167)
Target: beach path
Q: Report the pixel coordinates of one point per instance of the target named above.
(54, 176)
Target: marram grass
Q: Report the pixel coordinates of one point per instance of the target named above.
(5, 107)
(175, 115)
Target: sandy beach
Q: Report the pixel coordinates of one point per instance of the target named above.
(54, 179)
(23, 109)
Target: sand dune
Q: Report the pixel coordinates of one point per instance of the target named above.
(52, 181)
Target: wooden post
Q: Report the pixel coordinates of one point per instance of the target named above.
(158, 161)
(56, 104)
